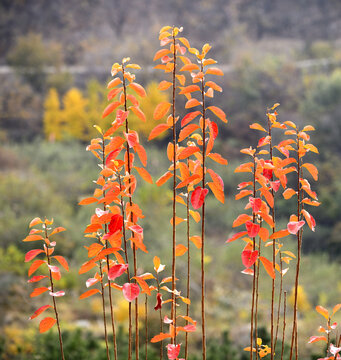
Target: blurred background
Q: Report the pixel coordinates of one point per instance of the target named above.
(55, 61)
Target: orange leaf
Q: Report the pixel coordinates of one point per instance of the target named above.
(192, 103)
(336, 308)
(196, 240)
(263, 233)
(138, 89)
(62, 261)
(214, 86)
(89, 293)
(159, 54)
(141, 152)
(114, 83)
(214, 71)
(312, 170)
(241, 219)
(86, 267)
(87, 201)
(217, 192)
(178, 220)
(187, 131)
(188, 151)
(288, 193)
(195, 215)
(35, 265)
(38, 291)
(46, 324)
(190, 67)
(218, 112)
(159, 129)
(110, 108)
(180, 250)
(279, 234)
(324, 312)
(164, 85)
(257, 126)
(218, 158)
(35, 221)
(189, 89)
(138, 112)
(161, 110)
(57, 230)
(144, 174)
(268, 266)
(160, 337)
(33, 238)
(164, 178)
(144, 286)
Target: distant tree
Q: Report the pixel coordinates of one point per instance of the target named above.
(52, 116)
(75, 118)
(30, 56)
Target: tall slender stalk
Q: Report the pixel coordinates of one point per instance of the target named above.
(279, 298)
(254, 266)
(257, 296)
(146, 326)
(173, 310)
(104, 312)
(131, 218)
(161, 320)
(188, 269)
(273, 247)
(107, 258)
(128, 273)
(203, 217)
(54, 300)
(284, 323)
(299, 243)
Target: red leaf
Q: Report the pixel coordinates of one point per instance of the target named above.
(132, 138)
(32, 254)
(255, 203)
(252, 229)
(130, 291)
(36, 278)
(116, 224)
(249, 257)
(173, 351)
(198, 197)
(117, 270)
(39, 311)
(294, 226)
(35, 265)
(46, 324)
(158, 302)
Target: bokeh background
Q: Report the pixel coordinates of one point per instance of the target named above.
(55, 61)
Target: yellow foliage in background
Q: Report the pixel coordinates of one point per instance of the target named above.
(81, 111)
(303, 304)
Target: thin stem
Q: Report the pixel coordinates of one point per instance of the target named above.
(161, 321)
(104, 314)
(273, 248)
(294, 328)
(107, 257)
(131, 219)
(188, 269)
(257, 296)
(54, 300)
(173, 316)
(279, 298)
(254, 266)
(284, 323)
(128, 273)
(337, 345)
(146, 325)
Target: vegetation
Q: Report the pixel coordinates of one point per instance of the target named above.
(153, 290)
